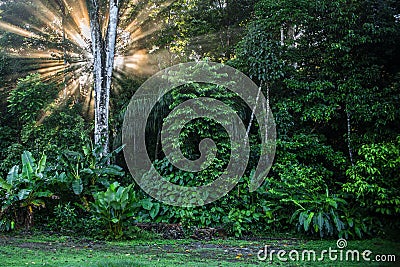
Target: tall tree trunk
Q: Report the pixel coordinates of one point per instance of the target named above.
(253, 113)
(349, 136)
(103, 49)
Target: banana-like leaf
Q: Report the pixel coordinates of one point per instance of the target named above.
(115, 205)
(23, 194)
(27, 165)
(77, 186)
(332, 203)
(43, 194)
(27, 158)
(12, 176)
(62, 177)
(328, 226)
(307, 222)
(118, 194)
(320, 220)
(5, 185)
(42, 164)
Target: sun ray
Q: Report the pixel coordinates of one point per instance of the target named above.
(137, 63)
(17, 30)
(63, 54)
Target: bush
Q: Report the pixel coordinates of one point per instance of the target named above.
(30, 96)
(115, 207)
(374, 179)
(65, 216)
(23, 191)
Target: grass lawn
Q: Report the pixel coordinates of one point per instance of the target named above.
(71, 251)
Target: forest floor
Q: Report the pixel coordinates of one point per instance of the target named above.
(61, 250)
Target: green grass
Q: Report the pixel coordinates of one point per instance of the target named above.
(67, 251)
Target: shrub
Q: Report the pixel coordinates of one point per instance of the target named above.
(23, 191)
(114, 207)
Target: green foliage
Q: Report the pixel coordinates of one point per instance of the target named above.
(3, 65)
(13, 155)
(65, 216)
(373, 179)
(258, 54)
(319, 214)
(33, 124)
(330, 215)
(149, 211)
(333, 85)
(239, 212)
(25, 190)
(197, 130)
(115, 207)
(360, 223)
(87, 170)
(58, 132)
(192, 30)
(63, 129)
(30, 97)
(330, 70)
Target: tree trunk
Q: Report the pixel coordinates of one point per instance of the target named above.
(253, 113)
(103, 49)
(349, 136)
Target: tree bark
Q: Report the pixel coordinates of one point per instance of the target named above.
(103, 50)
(349, 136)
(253, 112)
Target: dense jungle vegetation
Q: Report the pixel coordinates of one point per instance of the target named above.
(329, 69)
